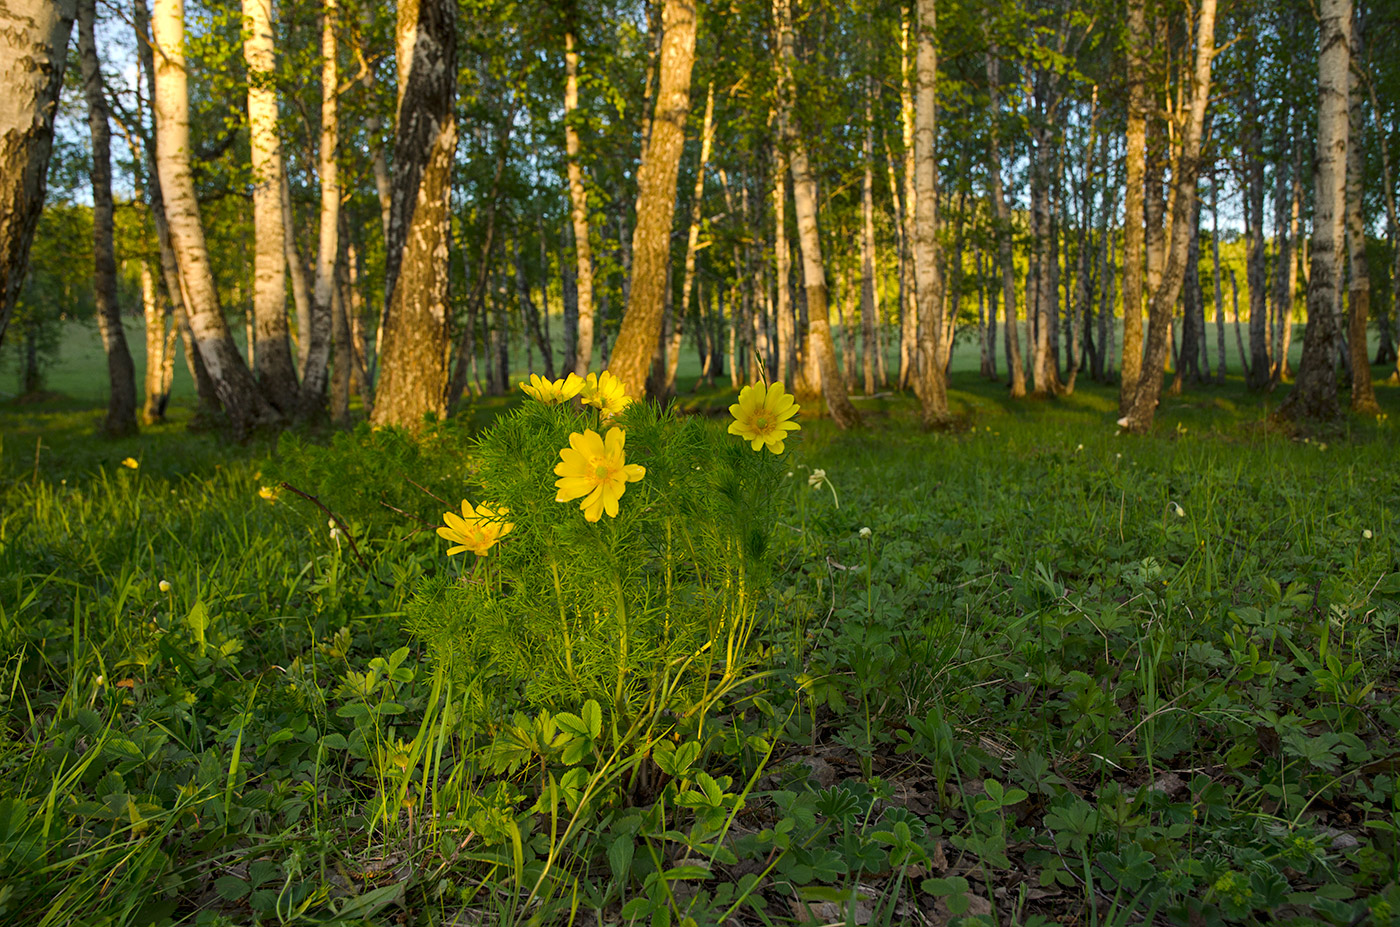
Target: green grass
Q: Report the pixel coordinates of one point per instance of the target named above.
(1071, 676)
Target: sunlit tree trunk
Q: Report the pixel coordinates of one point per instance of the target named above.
(413, 377)
(930, 383)
(233, 381)
(869, 294)
(578, 211)
(1133, 205)
(821, 350)
(782, 254)
(909, 320)
(1363, 394)
(1159, 314)
(1220, 367)
(33, 53)
(692, 242)
(121, 373)
(272, 359)
(656, 201)
(1001, 212)
(1314, 395)
(156, 313)
(1254, 237)
(313, 374)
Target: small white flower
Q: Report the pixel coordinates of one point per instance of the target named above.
(165, 586)
(1180, 512)
(1119, 456)
(1079, 448)
(817, 478)
(789, 474)
(1122, 422)
(865, 533)
(100, 679)
(1366, 534)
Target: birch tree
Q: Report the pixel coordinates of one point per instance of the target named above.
(272, 358)
(1314, 393)
(578, 203)
(413, 378)
(639, 336)
(121, 373)
(33, 54)
(929, 378)
(1184, 183)
(1363, 394)
(821, 351)
(232, 380)
(1135, 169)
(313, 374)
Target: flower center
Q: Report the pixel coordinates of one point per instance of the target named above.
(760, 422)
(601, 472)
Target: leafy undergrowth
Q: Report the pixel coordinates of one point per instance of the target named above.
(1064, 677)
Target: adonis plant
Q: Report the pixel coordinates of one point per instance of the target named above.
(610, 560)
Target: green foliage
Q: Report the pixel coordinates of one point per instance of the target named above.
(637, 612)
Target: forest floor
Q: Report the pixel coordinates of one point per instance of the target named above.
(1067, 676)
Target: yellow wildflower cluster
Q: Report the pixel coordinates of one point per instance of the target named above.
(594, 467)
(475, 530)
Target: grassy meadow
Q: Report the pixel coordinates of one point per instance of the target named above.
(1028, 671)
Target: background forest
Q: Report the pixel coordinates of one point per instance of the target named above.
(1067, 592)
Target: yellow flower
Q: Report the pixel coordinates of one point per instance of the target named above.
(476, 531)
(130, 463)
(595, 468)
(268, 493)
(761, 417)
(555, 392)
(606, 392)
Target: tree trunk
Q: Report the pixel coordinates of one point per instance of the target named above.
(1159, 314)
(578, 212)
(272, 356)
(909, 319)
(121, 373)
(312, 400)
(1134, 246)
(530, 311)
(1002, 217)
(1254, 235)
(1363, 394)
(342, 356)
(656, 202)
(33, 54)
(869, 293)
(692, 242)
(782, 254)
(821, 350)
(233, 381)
(413, 381)
(1220, 369)
(930, 383)
(157, 318)
(1314, 395)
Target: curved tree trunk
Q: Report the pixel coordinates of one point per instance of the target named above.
(1159, 313)
(930, 383)
(233, 381)
(1363, 394)
(909, 322)
(272, 360)
(313, 375)
(33, 53)
(1314, 394)
(413, 377)
(637, 340)
(821, 350)
(121, 373)
(578, 212)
